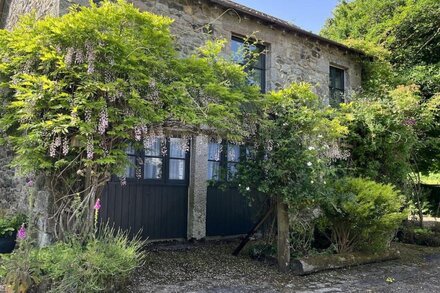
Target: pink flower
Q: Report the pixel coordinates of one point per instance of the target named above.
(97, 204)
(21, 234)
(30, 183)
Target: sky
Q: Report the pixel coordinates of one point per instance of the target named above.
(307, 14)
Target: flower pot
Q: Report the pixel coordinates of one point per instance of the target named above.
(7, 243)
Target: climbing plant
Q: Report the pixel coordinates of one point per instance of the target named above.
(78, 89)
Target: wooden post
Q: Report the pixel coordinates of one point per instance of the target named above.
(283, 247)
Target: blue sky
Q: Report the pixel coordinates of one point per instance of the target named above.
(307, 14)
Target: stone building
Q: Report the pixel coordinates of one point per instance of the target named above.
(173, 200)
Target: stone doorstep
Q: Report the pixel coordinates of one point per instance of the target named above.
(314, 264)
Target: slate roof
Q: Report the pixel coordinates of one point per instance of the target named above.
(276, 22)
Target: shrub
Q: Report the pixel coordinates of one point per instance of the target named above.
(103, 264)
(413, 234)
(10, 224)
(363, 215)
(302, 229)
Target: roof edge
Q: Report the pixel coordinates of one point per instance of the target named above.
(283, 24)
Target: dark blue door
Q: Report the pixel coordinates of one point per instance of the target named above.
(154, 200)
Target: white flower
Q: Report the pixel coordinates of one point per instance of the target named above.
(311, 148)
(309, 164)
(312, 182)
(248, 188)
(325, 182)
(320, 136)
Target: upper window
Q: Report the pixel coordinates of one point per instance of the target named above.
(253, 58)
(337, 86)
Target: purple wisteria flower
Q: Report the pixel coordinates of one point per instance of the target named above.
(89, 149)
(97, 204)
(123, 181)
(21, 234)
(103, 121)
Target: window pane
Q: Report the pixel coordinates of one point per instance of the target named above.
(336, 78)
(339, 81)
(154, 147)
(237, 48)
(177, 169)
(130, 169)
(233, 153)
(256, 77)
(213, 170)
(178, 147)
(153, 168)
(214, 150)
(232, 170)
(130, 150)
(258, 59)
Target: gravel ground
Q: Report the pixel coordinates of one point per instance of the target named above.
(210, 267)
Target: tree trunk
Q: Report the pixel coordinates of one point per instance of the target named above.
(283, 247)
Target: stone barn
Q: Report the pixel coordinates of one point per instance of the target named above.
(172, 194)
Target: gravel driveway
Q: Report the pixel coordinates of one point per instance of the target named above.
(210, 267)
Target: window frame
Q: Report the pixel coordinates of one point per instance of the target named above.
(224, 162)
(332, 85)
(262, 49)
(165, 178)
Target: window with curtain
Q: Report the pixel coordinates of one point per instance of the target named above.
(153, 159)
(233, 158)
(223, 157)
(214, 160)
(165, 159)
(130, 171)
(243, 53)
(337, 86)
(177, 159)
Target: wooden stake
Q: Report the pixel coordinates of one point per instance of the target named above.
(252, 232)
(283, 247)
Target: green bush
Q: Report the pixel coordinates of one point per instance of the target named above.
(10, 224)
(103, 264)
(363, 215)
(413, 234)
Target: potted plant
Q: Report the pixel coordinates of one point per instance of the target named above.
(8, 231)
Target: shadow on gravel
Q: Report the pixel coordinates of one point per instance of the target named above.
(210, 267)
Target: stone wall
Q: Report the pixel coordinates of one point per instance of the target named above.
(12, 192)
(291, 57)
(16, 8)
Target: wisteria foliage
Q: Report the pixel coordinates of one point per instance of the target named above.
(83, 85)
(77, 90)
